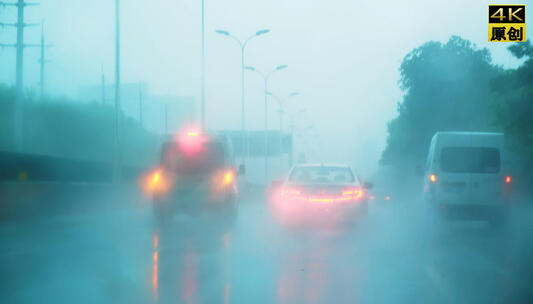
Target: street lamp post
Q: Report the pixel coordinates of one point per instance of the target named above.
(293, 116)
(202, 94)
(292, 126)
(281, 101)
(265, 78)
(242, 45)
(303, 133)
(117, 161)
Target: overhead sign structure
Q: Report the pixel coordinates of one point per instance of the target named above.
(256, 141)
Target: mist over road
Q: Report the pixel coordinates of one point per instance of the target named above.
(115, 253)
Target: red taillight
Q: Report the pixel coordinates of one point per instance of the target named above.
(291, 192)
(192, 142)
(222, 180)
(433, 178)
(354, 194)
(387, 198)
(358, 194)
(156, 178)
(508, 179)
(228, 178)
(347, 192)
(321, 199)
(347, 195)
(156, 182)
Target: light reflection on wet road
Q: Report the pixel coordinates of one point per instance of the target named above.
(119, 256)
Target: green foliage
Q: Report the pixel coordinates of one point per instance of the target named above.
(513, 103)
(447, 88)
(455, 87)
(75, 130)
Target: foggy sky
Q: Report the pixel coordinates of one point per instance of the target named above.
(343, 56)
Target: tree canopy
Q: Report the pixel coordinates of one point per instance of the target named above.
(513, 106)
(455, 87)
(446, 88)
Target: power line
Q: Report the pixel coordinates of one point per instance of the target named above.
(103, 84)
(117, 158)
(19, 45)
(140, 105)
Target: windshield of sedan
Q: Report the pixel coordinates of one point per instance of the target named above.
(322, 174)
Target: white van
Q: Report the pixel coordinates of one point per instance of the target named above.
(465, 175)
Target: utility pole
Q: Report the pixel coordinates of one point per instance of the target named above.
(166, 119)
(265, 78)
(242, 45)
(103, 85)
(19, 45)
(281, 112)
(116, 173)
(140, 105)
(291, 153)
(43, 60)
(202, 110)
(293, 137)
(267, 154)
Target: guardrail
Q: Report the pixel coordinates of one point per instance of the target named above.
(40, 185)
(41, 168)
(28, 200)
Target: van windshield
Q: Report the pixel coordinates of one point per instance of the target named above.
(207, 158)
(470, 160)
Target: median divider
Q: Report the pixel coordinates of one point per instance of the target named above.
(40, 199)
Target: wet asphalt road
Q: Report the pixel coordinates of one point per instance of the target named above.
(118, 255)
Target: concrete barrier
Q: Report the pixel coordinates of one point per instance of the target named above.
(42, 168)
(19, 200)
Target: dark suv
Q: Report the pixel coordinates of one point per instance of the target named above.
(197, 174)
